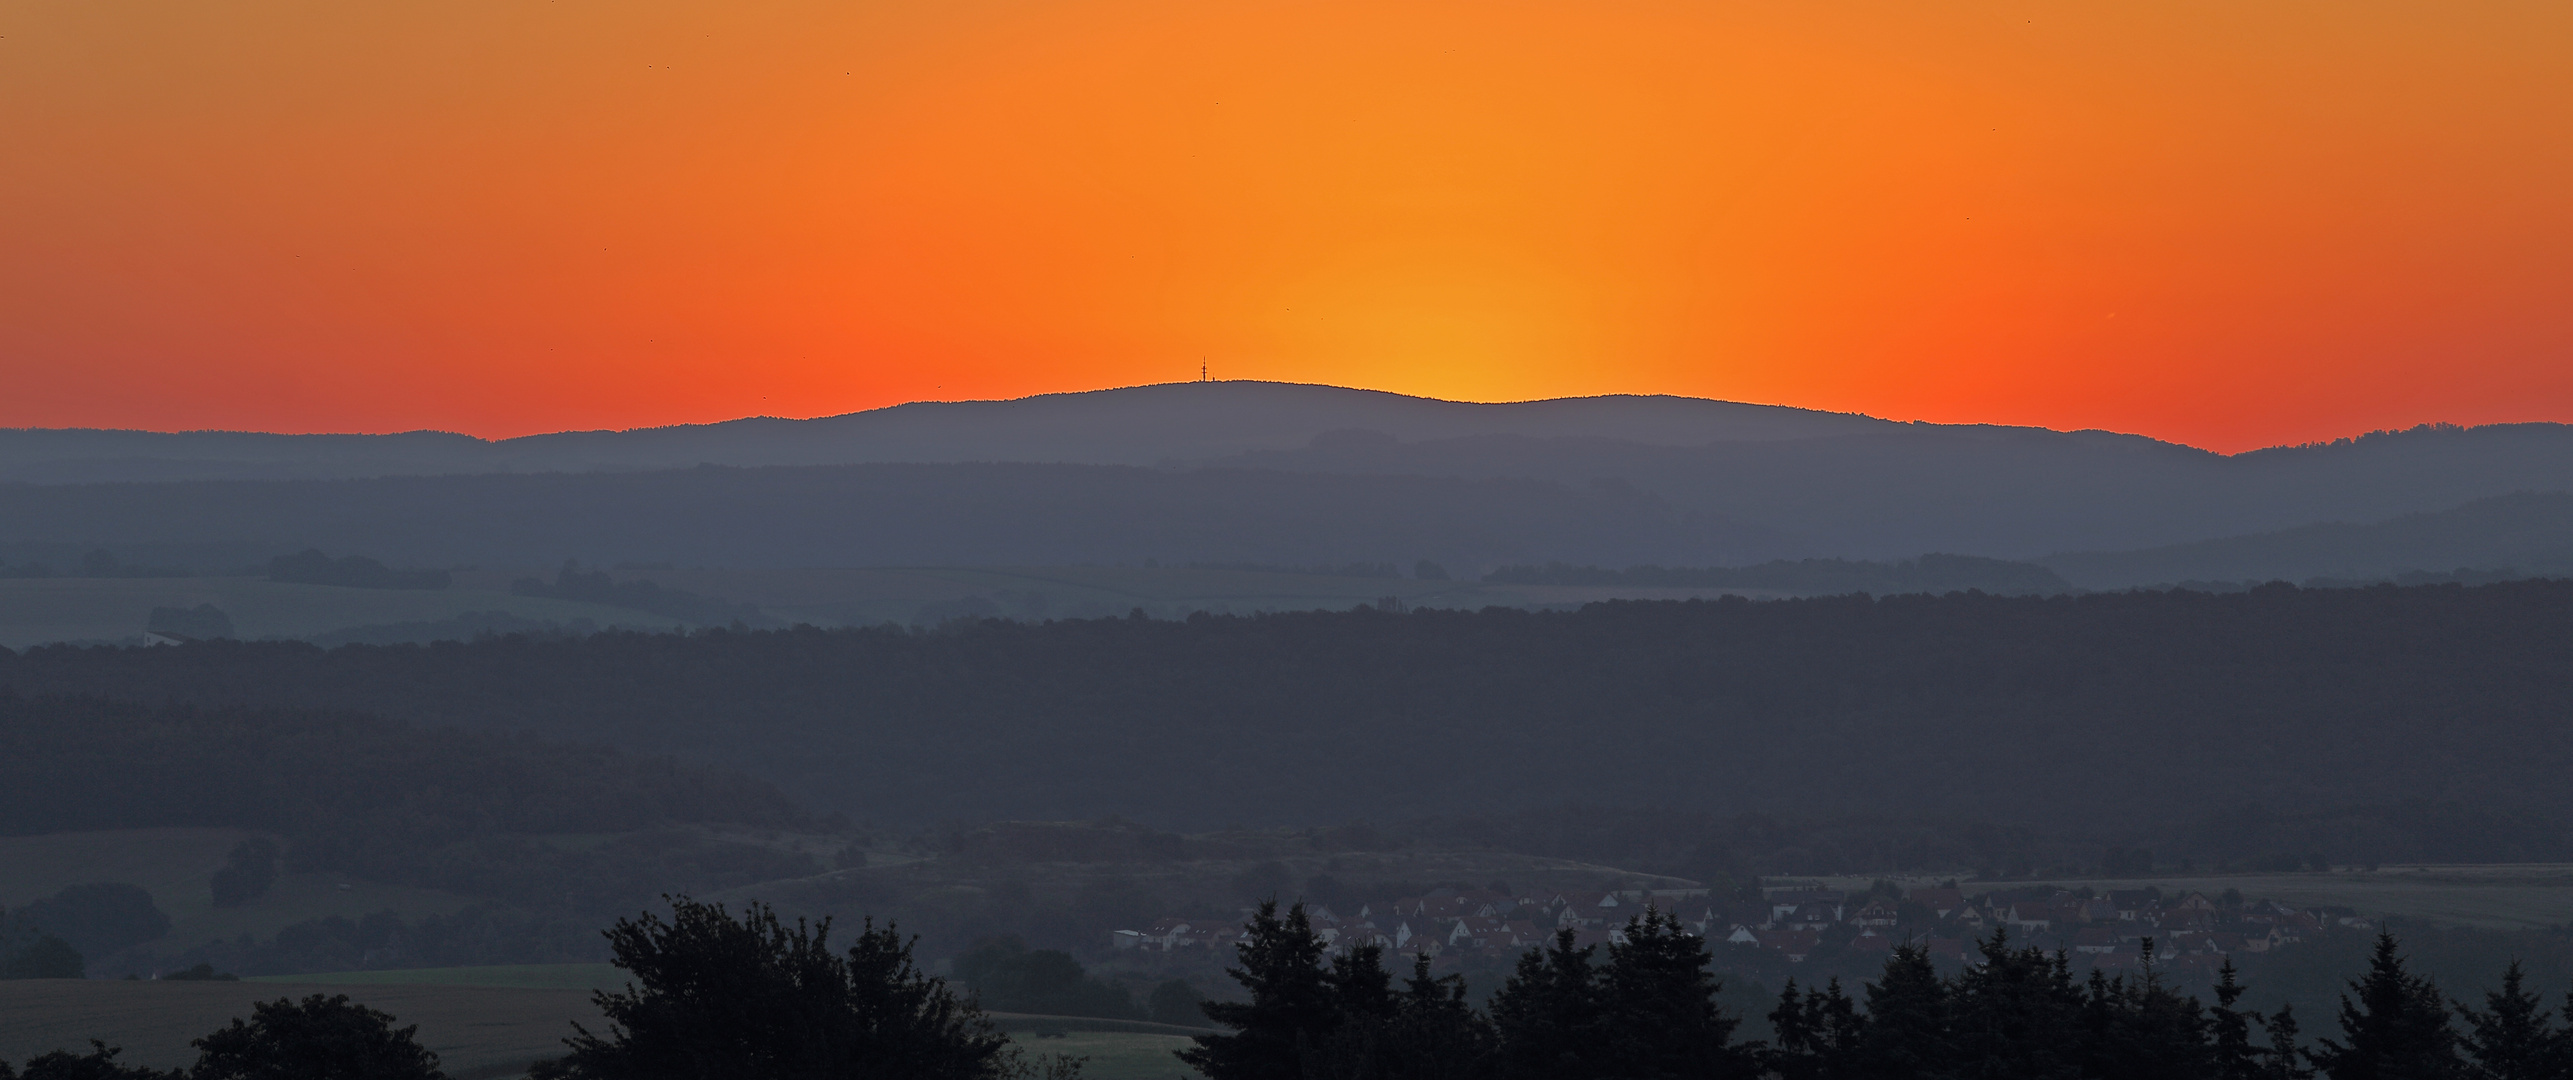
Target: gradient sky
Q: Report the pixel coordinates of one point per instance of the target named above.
(2226, 223)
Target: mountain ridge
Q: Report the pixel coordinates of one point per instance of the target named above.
(1153, 425)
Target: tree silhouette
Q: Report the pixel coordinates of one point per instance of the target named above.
(2394, 1025)
(1548, 1014)
(2513, 1037)
(1292, 1006)
(316, 1037)
(716, 997)
(1659, 1002)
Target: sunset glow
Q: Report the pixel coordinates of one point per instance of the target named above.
(2226, 224)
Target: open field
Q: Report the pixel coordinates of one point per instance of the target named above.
(1114, 1055)
(174, 865)
(477, 1032)
(2512, 896)
(34, 611)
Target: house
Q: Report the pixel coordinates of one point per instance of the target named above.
(1592, 909)
(2031, 916)
(1811, 917)
(1795, 945)
(1741, 935)
(1870, 942)
(1878, 913)
(1786, 902)
(2095, 940)
(1941, 902)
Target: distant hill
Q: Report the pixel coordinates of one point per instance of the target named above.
(2531, 533)
(895, 515)
(2015, 493)
(1813, 577)
(1141, 425)
(1755, 482)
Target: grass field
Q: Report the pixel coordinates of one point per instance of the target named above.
(174, 865)
(34, 611)
(2512, 896)
(1113, 1055)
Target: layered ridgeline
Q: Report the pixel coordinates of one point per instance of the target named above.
(1247, 472)
(2125, 711)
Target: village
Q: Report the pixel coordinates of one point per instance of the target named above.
(2190, 933)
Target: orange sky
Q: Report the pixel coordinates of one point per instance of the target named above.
(2226, 223)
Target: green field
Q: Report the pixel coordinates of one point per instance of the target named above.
(1114, 1055)
(34, 611)
(174, 865)
(2513, 896)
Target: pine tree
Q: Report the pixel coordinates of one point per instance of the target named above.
(2513, 1037)
(1662, 1020)
(2140, 1029)
(2232, 1056)
(2017, 1015)
(1814, 1036)
(1292, 1007)
(1906, 1034)
(1361, 988)
(2284, 1060)
(2394, 1028)
(1548, 1016)
(1432, 1035)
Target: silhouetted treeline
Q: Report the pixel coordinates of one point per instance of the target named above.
(315, 1037)
(1649, 1007)
(311, 567)
(2108, 712)
(459, 810)
(1820, 577)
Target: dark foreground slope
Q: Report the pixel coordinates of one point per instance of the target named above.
(2107, 710)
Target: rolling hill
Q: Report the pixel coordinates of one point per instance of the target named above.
(1234, 472)
(2527, 532)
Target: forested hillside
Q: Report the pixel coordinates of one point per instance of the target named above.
(2105, 712)
(456, 810)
